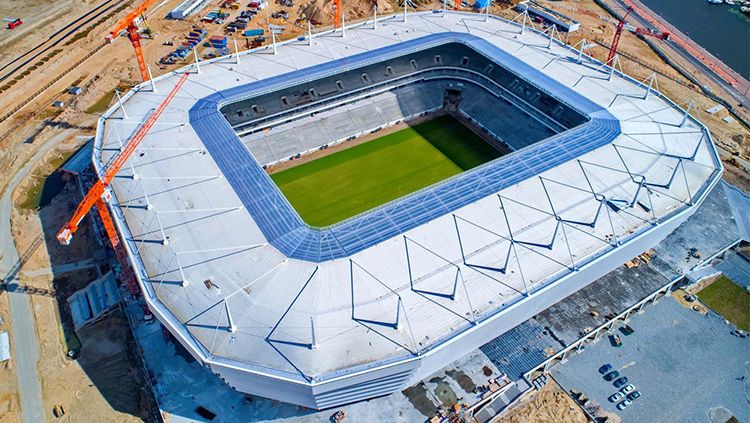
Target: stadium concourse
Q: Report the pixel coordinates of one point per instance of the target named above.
(364, 307)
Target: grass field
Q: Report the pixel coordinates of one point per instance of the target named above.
(351, 181)
(728, 299)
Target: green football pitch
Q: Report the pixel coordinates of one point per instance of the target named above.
(346, 183)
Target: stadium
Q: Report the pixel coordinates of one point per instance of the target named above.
(335, 217)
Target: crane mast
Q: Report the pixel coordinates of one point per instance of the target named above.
(616, 39)
(128, 23)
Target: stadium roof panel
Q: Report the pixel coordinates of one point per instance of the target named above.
(234, 274)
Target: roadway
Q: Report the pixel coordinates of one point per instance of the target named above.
(24, 342)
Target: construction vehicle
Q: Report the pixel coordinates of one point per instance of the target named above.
(338, 416)
(652, 33)
(13, 22)
(128, 23)
(640, 31)
(100, 194)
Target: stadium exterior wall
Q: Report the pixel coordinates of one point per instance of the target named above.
(392, 378)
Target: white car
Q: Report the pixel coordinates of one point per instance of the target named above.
(627, 389)
(617, 396)
(622, 405)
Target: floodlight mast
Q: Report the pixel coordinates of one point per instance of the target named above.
(99, 194)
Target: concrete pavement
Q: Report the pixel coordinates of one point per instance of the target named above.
(25, 347)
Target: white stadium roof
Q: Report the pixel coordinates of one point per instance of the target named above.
(307, 321)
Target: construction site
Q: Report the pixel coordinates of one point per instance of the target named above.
(161, 162)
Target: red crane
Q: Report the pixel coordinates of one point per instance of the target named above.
(128, 23)
(99, 194)
(616, 39)
(641, 31)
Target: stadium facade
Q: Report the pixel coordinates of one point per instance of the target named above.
(599, 168)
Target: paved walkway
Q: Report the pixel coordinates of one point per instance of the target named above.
(25, 347)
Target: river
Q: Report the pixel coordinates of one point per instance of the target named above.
(719, 28)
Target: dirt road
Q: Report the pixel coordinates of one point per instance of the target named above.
(24, 341)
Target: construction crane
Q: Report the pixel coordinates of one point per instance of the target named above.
(616, 38)
(336, 13)
(640, 31)
(99, 194)
(128, 23)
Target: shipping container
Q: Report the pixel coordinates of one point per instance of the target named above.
(253, 32)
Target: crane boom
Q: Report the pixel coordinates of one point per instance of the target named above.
(99, 191)
(126, 21)
(616, 39)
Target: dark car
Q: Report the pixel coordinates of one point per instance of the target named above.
(605, 369)
(619, 383)
(609, 377)
(633, 395)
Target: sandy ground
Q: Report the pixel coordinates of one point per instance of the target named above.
(8, 392)
(548, 405)
(40, 19)
(103, 381)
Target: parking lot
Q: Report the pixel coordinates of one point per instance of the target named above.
(685, 365)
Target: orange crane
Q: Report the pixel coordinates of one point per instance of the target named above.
(128, 23)
(336, 13)
(100, 194)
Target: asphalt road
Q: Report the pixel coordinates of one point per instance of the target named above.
(25, 347)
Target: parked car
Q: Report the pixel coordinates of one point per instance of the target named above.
(609, 377)
(624, 404)
(628, 388)
(615, 340)
(619, 383)
(634, 395)
(605, 369)
(617, 396)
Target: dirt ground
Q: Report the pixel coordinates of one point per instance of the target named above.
(8, 391)
(104, 381)
(40, 19)
(548, 405)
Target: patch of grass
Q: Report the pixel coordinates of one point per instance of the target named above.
(349, 182)
(728, 299)
(100, 106)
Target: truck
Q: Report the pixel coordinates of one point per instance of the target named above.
(14, 22)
